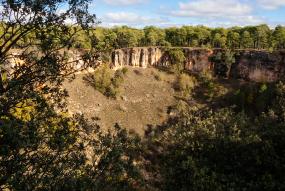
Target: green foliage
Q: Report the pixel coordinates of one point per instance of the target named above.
(255, 98)
(185, 84)
(219, 41)
(278, 38)
(222, 62)
(107, 39)
(128, 37)
(158, 77)
(153, 36)
(259, 98)
(221, 150)
(278, 104)
(246, 40)
(42, 147)
(209, 87)
(106, 82)
(177, 59)
(125, 70)
(224, 148)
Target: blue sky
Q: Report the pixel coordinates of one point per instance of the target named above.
(165, 13)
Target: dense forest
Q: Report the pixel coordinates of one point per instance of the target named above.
(249, 37)
(217, 139)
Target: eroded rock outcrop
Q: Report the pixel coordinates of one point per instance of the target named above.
(249, 64)
(73, 62)
(196, 59)
(140, 57)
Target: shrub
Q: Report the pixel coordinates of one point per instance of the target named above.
(185, 84)
(125, 70)
(254, 98)
(157, 75)
(111, 92)
(223, 62)
(206, 76)
(102, 78)
(106, 83)
(206, 150)
(177, 59)
(118, 78)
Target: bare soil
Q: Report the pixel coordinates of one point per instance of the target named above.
(143, 99)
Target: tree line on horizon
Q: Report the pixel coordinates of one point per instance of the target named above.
(249, 37)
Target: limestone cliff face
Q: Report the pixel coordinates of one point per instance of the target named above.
(140, 57)
(249, 64)
(75, 62)
(196, 59)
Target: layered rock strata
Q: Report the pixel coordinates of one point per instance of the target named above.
(251, 65)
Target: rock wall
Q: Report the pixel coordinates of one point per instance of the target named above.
(75, 62)
(249, 64)
(256, 65)
(196, 59)
(140, 57)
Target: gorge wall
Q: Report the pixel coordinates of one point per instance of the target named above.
(251, 65)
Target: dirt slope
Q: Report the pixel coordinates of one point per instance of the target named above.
(142, 100)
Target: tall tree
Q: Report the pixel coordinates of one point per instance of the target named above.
(262, 35)
(42, 146)
(278, 38)
(233, 40)
(246, 40)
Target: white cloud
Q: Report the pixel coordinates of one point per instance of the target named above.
(224, 13)
(212, 8)
(271, 4)
(124, 2)
(132, 19)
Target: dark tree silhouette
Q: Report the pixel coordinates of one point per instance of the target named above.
(41, 146)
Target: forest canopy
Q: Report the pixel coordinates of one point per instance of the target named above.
(249, 37)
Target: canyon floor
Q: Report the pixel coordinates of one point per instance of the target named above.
(143, 100)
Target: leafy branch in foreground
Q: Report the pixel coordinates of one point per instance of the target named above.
(42, 147)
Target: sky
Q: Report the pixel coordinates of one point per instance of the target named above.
(167, 13)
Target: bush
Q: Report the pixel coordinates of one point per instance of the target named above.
(102, 78)
(111, 92)
(118, 78)
(223, 62)
(106, 83)
(177, 59)
(185, 84)
(254, 98)
(206, 76)
(222, 150)
(157, 76)
(125, 70)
